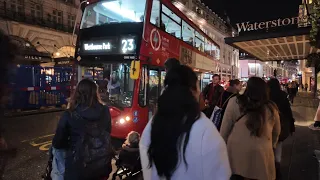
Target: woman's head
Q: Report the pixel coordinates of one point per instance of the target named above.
(133, 138)
(171, 63)
(178, 109)
(254, 102)
(274, 86)
(257, 90)
(86, 95)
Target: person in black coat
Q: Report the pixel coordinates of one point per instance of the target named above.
(87, 105)
(279, 97)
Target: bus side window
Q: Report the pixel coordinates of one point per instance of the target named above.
(170, 22)
(143, 87)
(155, 13)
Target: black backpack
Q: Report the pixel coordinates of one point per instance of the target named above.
(93, 152)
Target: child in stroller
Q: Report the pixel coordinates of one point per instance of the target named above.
(128, 163)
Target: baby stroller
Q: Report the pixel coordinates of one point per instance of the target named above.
(128, 165)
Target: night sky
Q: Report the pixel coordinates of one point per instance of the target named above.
(254, 10)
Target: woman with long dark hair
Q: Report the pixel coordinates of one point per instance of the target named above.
(180, 142)
(251, 127)
(84, 133)
(286, 118)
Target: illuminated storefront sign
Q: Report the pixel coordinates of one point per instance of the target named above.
(124, 45)
(247, 26)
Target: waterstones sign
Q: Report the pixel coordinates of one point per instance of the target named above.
(247, 26)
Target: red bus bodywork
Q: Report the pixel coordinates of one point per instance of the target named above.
(151, 54)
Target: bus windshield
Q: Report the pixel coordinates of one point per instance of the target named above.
(113, 11)
(116, 87)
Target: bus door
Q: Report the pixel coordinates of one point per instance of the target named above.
(156, 80)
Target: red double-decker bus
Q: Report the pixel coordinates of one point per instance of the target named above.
(114, 33)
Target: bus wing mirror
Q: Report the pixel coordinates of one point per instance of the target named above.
(135, 69)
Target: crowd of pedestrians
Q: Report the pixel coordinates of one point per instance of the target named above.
(214, 134)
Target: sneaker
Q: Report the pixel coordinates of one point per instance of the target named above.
(315, 126)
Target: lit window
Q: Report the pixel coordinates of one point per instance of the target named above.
(113, 11)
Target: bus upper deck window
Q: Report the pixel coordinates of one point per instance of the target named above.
(113, 11)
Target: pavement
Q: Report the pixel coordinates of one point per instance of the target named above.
(32, 135)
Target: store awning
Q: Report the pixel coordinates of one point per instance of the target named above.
(289, 45)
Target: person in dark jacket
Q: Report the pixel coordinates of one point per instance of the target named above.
(212, 94)
(7, 51)
(279, 97)
(85, 103)
(233, 90)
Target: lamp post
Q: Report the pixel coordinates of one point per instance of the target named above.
(76, 20)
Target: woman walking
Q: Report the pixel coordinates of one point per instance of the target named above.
(251, 127)
(286, 118)
(180, 142)
(84, 133)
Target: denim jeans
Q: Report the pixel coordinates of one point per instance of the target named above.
(58, 164)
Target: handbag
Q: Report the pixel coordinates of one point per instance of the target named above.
(216, 113)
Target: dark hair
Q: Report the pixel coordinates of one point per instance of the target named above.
(216, 75)
(274, 85)
(234, 82)
(86, 95)
(171, 63)
(254, 102)
(177, 110)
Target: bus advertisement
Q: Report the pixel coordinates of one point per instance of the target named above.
(115, 33)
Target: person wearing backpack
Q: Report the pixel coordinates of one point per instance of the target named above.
(279, 97)
(84, 133)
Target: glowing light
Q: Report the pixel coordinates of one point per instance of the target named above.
(127, 118)
(122, 121)
(116, 8)
(57, 54)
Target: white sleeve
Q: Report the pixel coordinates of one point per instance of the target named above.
(215, 161)
(143, 147)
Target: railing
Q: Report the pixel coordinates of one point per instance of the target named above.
(29, 19)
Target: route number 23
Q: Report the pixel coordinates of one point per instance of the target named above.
(127, 45)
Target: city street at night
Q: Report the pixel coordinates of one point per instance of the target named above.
(32, 136)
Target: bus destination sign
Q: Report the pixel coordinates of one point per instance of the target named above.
(122, 45)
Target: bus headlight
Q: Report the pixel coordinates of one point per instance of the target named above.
(122, 121)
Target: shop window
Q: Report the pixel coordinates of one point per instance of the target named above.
(208, 47)
(187, 33)
(155, 13)
(143, 87)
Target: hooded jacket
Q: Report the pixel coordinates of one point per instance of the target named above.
(69, 131)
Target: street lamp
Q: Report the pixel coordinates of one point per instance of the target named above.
(76, 20)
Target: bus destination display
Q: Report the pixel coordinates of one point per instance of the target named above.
(123, 45)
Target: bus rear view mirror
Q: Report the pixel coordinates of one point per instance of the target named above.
(135, 69)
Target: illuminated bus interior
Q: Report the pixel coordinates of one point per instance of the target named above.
(113, 11)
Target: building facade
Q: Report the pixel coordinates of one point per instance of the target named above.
(216, 28)
(42, 29)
